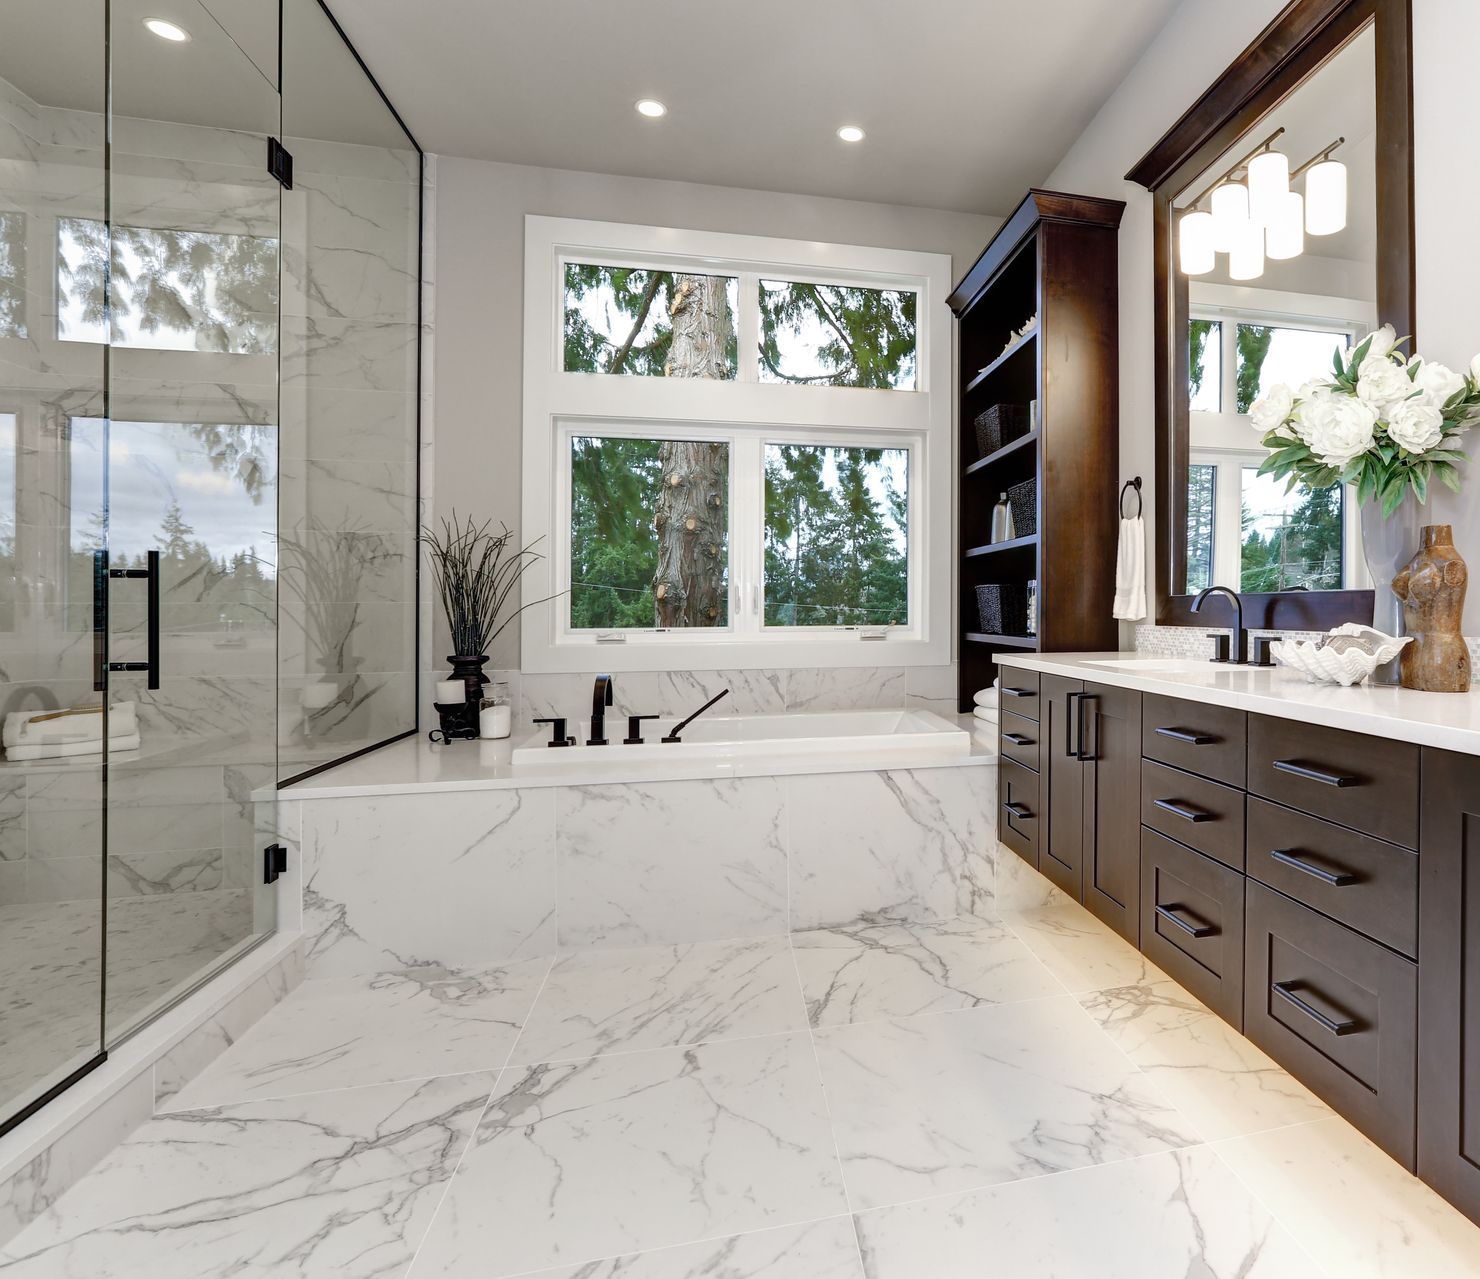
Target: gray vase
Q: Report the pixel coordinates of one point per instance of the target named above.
(1387, 546)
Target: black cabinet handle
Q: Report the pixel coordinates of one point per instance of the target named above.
(1009, 691)
(1018, 810)
(1285, 990)
(1084, 750)
(1199, 929)
(1296, 769)
(1017, 739)
(1187, 735)
(1337, 879)
(1071, 717)
(1185, 811)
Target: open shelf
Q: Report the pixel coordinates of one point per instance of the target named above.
(1003, 360)
(997, 548)
(1002, 641)
(1006, 451)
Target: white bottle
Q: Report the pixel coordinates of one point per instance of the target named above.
(1002, 526)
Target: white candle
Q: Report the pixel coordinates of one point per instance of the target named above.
(451, 691)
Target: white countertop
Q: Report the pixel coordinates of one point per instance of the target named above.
(416, 765)
(1450, 721)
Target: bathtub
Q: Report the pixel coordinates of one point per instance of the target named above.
(904, 735)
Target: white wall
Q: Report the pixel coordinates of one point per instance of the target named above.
(480, 211)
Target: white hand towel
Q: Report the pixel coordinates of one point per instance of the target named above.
(986, 697)
(71, 750)
(985, 714)
(24, 728)
(1130, 571)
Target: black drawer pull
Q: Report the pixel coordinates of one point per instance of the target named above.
(1337, 879)
(1188, 736)
(1185, 811)
(1284, 990)
(1018, 810)
(1009, 691)
(1017, 739)
(1296, 769)
(1169, 913)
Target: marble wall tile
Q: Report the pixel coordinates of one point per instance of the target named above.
(671, 862)
(829, 688)
(905, 845)
(13, 815)
(932, 688)
(455, 880)
(365, 355)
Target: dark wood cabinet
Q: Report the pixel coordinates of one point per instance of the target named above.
(1449, 979)
(1111, 750)
(1061, 853)
(1018, 820)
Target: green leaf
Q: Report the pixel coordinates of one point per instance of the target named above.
(1450, 478)
(1419, 478)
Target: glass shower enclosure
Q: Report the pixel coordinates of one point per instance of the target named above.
(191, 566)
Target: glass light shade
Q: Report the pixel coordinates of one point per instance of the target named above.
(1195, 243)
(1325, 198)
(1269, 184)
(1246, 258)
(1230, 214)
(1285, 235)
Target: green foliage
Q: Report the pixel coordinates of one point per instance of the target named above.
(12, 275)
(1253, 347)
(1304, 551)
(1201, 520)
(613, 544)
(1198, 334)
(635, 331)
(868, 335)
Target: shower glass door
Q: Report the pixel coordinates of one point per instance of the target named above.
(177, 486)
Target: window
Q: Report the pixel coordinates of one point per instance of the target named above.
(7, 521)
(1205, 358)
(167, 290)
(1269, 355)
(12, 275)
(765, 480)
(1290, 541)
(1202, 524)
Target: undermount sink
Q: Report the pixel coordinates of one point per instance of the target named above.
(1177, 665)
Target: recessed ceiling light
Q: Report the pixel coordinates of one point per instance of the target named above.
(851, 133)
(650, 107)
(167, 30)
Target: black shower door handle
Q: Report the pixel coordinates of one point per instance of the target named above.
(101, 575)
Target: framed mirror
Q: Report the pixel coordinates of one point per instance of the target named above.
(1284, 232)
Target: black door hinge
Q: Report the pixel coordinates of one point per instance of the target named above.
(280, 162)
(274, 863)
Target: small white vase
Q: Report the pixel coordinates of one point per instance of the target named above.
(1387, 546)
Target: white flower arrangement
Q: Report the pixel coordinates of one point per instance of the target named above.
(1387, 424)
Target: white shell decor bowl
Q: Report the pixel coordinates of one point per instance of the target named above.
(1325, 662)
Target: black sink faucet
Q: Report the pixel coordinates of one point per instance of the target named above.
(1240, 636)
(601, 698)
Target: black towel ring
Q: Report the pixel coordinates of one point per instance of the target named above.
(1140, 505)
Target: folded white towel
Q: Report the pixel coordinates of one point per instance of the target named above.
(24, 728)
(1130, 571)
(71, 750)
(986, 697)
(985, 714)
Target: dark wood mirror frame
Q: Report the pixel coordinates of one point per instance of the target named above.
(1290, 50)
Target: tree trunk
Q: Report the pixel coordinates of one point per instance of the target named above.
(691, 518)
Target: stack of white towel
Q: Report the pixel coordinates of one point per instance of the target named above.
(985, 715)
(65, 734)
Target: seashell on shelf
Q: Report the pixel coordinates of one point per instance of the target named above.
(1346, 656)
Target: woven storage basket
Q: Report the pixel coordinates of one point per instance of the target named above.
(1002, 608)
(999, 425)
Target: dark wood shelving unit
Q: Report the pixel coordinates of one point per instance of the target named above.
(1055, 258)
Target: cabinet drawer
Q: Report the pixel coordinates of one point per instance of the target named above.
(1018, 692)
(1360, 881)
(1338, 1011)
(1367, 783)
(1194, 811)
(1020, 739)
(1209, 740)
(1017, 814)
(1192, 922)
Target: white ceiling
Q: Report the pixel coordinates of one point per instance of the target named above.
(966, 102)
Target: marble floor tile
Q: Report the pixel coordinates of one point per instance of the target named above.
(1167, 1216)
(1078, 949)
(815, 1250)
(636, 1151)
(1356, 1211)
(966, 1099)
(345, 1032)
(1218, 1079)
(340, 1183)
(867, 971)
(660, 996)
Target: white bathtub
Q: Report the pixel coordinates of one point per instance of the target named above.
(904, 735)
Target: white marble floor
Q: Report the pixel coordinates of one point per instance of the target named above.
(1018, 1097)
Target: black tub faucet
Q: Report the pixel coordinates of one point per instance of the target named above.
(601, 698)
(1240, 636)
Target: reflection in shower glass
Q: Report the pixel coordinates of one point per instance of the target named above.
(12, 275)
(7, 522)
(171, 290)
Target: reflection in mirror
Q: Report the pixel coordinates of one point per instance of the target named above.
(1275, 245)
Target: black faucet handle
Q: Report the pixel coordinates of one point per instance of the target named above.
(634, 729)
(557, 731)
(1221, 641)
(1262, 656)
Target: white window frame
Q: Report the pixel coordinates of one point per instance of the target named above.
(1227, 440)
(748, 414)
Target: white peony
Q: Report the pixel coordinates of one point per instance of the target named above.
(1417, 426)
(1272, 408)
(1383, 341)
(1383, 384)
(1437, 383)
(1475, 368)
(1310, 393)
(1338, 428)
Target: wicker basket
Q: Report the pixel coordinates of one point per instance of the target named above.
(1002, 608)
(1023, 499)
(999, 425)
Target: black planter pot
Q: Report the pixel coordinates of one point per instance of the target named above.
(470, 671)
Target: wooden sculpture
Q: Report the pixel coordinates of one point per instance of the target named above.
(1432, 589)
